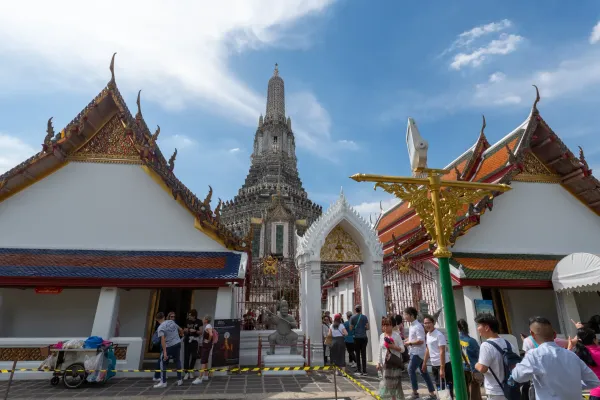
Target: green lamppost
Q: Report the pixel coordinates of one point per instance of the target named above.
(437, 203)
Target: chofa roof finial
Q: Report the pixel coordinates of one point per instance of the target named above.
(112, 68)
(139, 105)
(537, 98)
(483, 125)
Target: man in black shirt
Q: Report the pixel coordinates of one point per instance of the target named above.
(191, 340)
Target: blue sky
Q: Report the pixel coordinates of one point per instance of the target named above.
(354, 71)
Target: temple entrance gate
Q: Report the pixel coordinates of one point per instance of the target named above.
(340, 235)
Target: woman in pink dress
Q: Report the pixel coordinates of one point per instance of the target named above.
(585, 345)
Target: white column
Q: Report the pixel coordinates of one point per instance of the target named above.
(224, 303)
(302, 294)
(471, 293)
(286, 242)
(107, 313)
(567, 307)
(373, 302)
(313, 311)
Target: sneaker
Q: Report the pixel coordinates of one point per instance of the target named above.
(160, 385)
(432, 397)
(156, 380)
(414, 396)
(364, 374)
(197, 381)
(180, 382)
(186, 376)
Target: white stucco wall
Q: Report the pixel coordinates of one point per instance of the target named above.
(205, 302)
(526, 303)
(534, 218)
(30, 315)
(133, 312)
(345, 288)
(99, 206)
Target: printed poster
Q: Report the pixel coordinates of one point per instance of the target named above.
(226, 351)
(484, 307)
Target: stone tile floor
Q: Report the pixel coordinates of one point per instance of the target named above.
(315, 385)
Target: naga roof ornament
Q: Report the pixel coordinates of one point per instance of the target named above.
(172, 161)
(49, 135)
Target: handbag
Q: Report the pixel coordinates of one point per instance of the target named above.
(393, 361)
(328, 339)
(477, 376)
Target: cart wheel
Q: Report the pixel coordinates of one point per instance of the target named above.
(54, 381)
(74, 376)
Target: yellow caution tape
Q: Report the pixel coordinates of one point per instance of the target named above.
(360, 385)
(7, 371)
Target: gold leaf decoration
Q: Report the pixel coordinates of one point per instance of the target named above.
(340, 247)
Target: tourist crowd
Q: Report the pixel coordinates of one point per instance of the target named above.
(551, 368)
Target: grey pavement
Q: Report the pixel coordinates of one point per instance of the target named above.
(317, 385)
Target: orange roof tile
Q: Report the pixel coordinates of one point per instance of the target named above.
(401, 230)
(451, 176)
(393, 215)
(495, 161)
(418, 249)
(507, 264)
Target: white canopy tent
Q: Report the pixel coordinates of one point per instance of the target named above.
(576, 273)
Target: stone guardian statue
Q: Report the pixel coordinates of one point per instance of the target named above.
(284, 334)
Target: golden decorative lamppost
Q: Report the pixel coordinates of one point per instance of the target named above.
(437, 203)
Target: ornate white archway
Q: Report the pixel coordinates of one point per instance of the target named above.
(308, 258)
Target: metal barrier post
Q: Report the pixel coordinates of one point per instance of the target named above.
(12, 373)
(309, 351)
(335, 380)
(259, 353)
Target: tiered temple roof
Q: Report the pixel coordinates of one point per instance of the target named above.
(105, 131)
(532, 152)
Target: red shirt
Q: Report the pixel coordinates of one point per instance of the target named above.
(595, 352)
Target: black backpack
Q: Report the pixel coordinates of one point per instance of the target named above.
(511, 389)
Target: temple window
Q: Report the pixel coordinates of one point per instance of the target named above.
(279, 239)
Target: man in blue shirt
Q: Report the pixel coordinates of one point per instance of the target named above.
(359, 325)
(349, 340)
(470, 354)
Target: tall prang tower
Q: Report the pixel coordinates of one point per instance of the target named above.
(273, 203)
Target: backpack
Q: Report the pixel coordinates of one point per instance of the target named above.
(215, 336)
(511, 389)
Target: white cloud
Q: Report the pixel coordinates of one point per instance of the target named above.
(13, 151)
(179, 142)
(468, 37)
(497, 77)
(314, 126)
(177, 52)
(595, 35)
(234, 150)
(505, 44)
(372, 210)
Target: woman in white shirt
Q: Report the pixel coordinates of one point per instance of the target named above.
(437, 352)
(338, 332)
(390, 386)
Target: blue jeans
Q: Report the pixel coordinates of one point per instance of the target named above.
(415, 365)
(173, 352)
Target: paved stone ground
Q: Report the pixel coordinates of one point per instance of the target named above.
(317, 385)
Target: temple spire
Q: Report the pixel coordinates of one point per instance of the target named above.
(275, 97)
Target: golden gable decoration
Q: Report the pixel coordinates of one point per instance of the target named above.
(109, 144)
(535, 171)
(340, 247)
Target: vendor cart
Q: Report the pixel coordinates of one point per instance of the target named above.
(70, 365)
